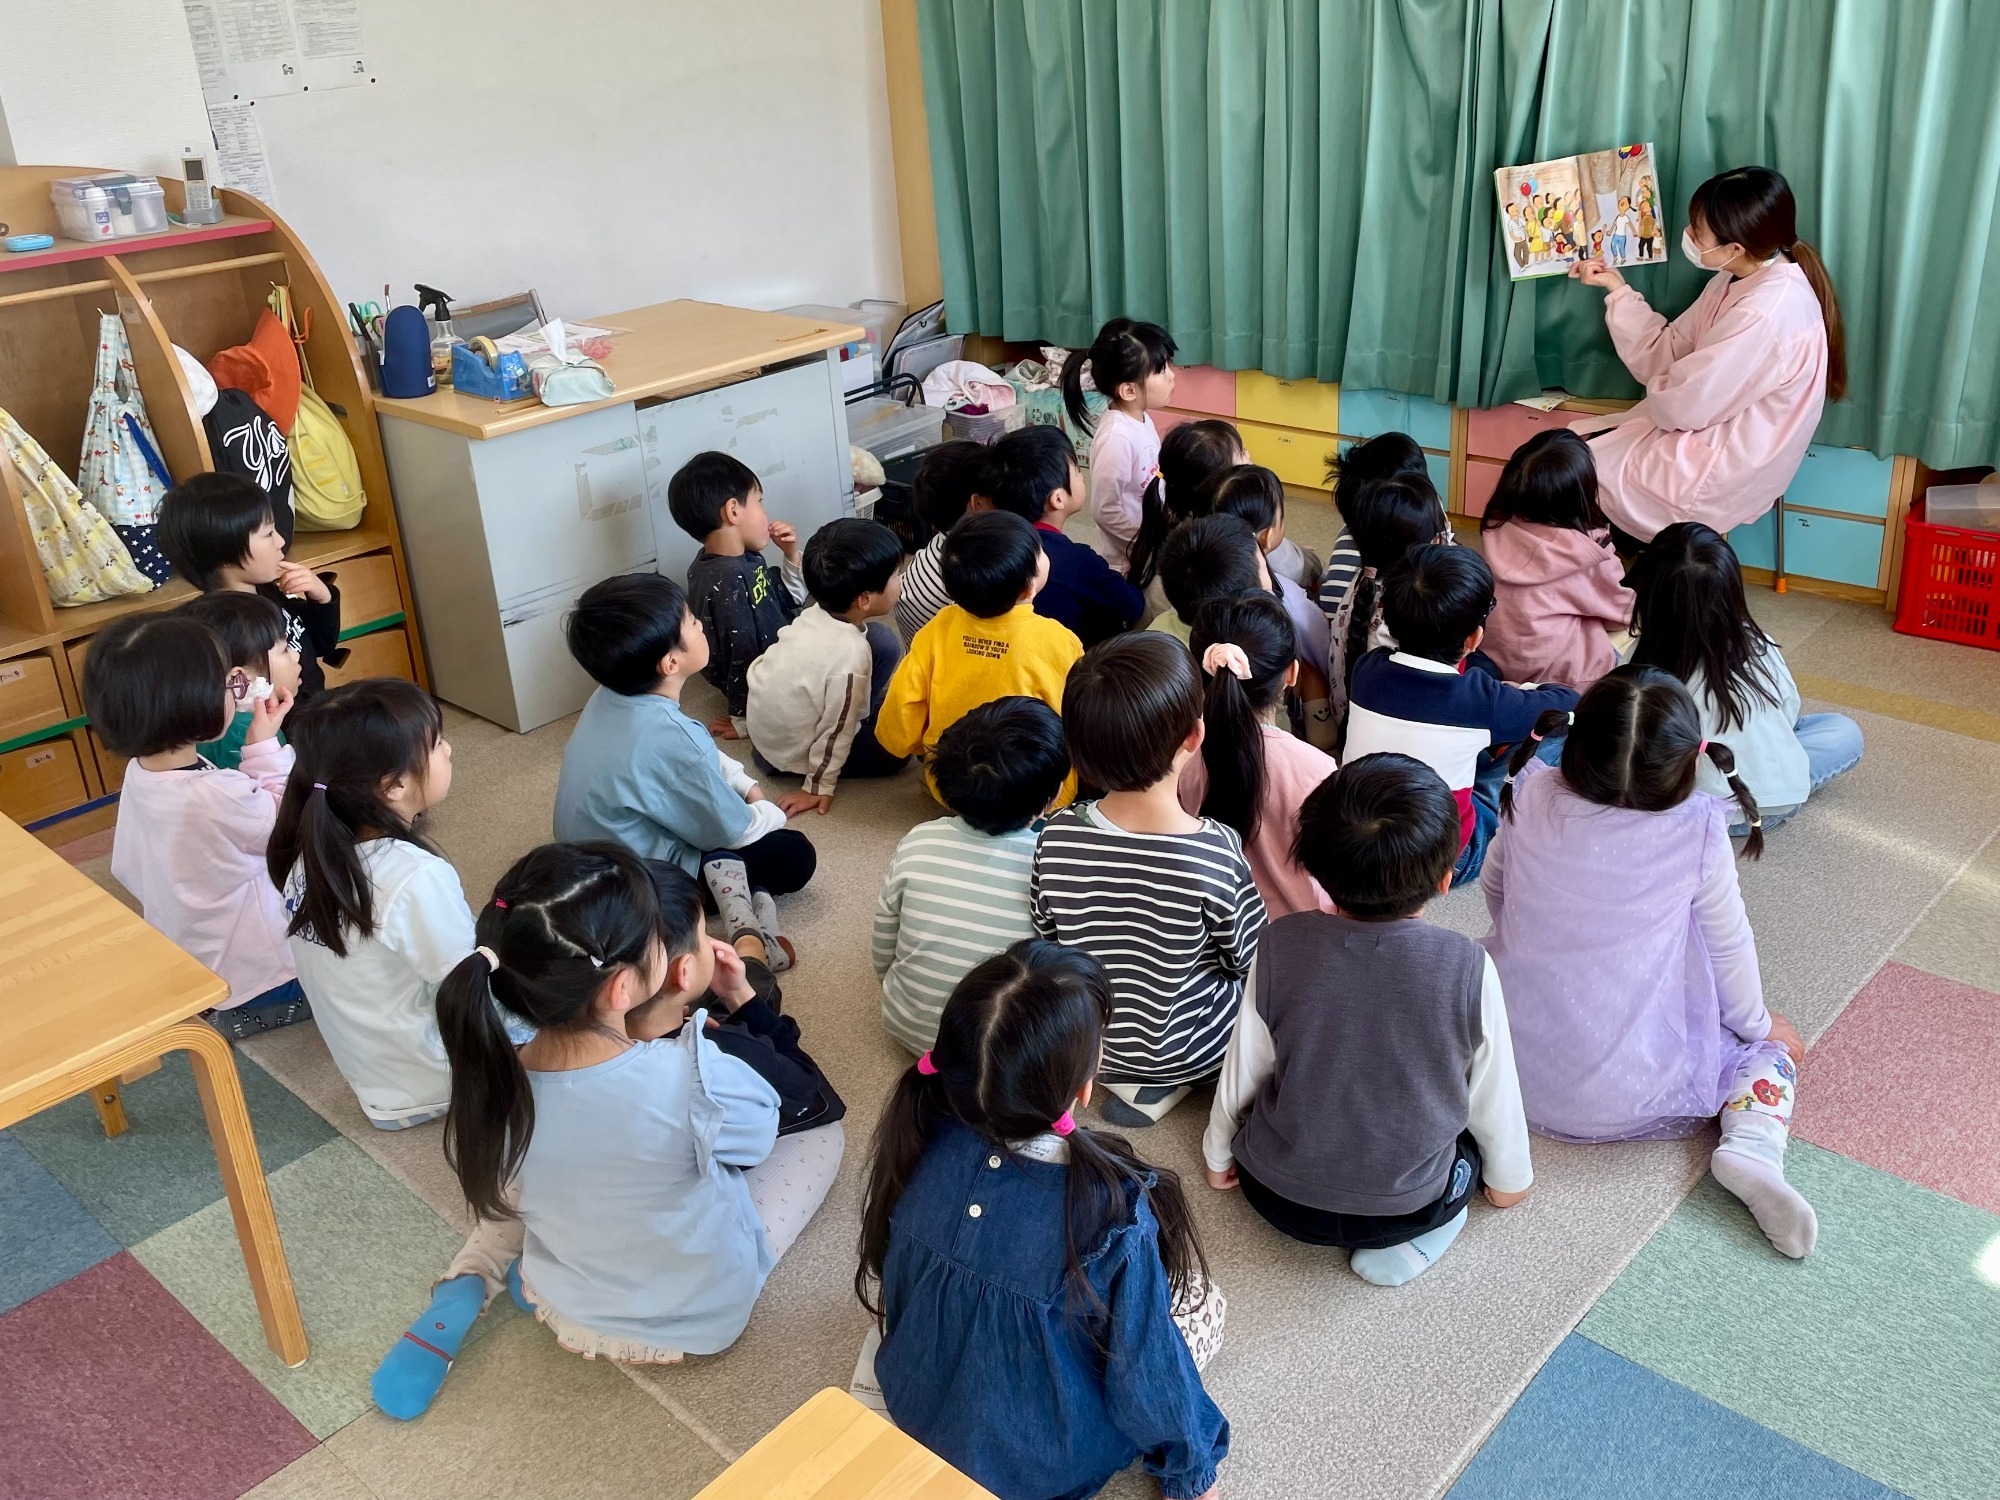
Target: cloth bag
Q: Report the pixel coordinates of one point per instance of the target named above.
(121, 472)
(326, 476)
(81, 556)
(267, 367)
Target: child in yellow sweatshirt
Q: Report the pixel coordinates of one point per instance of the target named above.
(987, 643)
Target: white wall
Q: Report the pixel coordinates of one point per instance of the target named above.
(609, 153)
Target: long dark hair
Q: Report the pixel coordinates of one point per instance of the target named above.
(1386, 520)
(1551, 481)
(1189, 456)
(1634, 741)
(562, 920)
(1124, 349)
(1753, 207)
(1016, 1043)
(1690, 615)
(1234, 709)
(349, 743)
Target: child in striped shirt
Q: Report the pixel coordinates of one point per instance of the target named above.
(1162, 898)
(957, 888)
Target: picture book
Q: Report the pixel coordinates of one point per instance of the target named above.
(1600, 204)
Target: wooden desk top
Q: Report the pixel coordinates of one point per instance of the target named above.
(673, 347)
(80, 974)
(834, 1448)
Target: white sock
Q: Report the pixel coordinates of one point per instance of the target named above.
(729, 882)
(1393, 1265)
(1750, 1162)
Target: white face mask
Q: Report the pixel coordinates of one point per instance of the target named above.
(1693, 251)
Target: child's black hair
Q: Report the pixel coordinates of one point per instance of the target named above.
(1691, 618)
(1001, 765)
(1123, 350)
(1551, 481)
(1634, 740)
(679, 898)
(1389, 455)
(945, 483)
(562, 921)
(1435, 598)
(989, 560)
(155, 682)
(1024, 466)
(1380, 835)
(847, 558)
(1385, 519)
(349, 744)
(1250, 492)
(622, 627)
(1127, 707)
(1210, 557)
(1017, 1041)
(702, 486)
(1189, 456)
(249, 626)
(206, 522)
(1234, 708)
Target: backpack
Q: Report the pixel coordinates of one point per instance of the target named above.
(326, 476)
(244, 441)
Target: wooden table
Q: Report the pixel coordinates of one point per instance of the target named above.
(834, 1448)
(88, 991)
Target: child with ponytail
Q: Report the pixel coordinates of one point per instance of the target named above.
(1386, 521)
(1042, 1302)
(1191, 454)
(1132, 364)
(1252, 774)
(376, 917)
(646, 1175)
(1622, 941)
(1388, 455)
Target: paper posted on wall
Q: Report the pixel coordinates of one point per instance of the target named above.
(240, 162)
(1599, 204)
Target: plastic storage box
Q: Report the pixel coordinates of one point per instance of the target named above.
(888, 429)
(108, 206)
(1975, 507)
(1951, 581)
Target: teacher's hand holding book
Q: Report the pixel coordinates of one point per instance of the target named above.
(1596, 273)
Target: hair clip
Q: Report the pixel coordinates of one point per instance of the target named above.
(926, 1067)
(1065, 1123)
(492, 958)
(1226, 656)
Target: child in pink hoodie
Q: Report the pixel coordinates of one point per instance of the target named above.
(1559, 587)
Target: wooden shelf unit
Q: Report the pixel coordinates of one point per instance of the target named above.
(202, 288)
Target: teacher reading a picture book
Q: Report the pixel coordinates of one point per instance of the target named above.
(1734, 385)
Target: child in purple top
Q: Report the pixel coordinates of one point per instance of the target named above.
(1622, 943)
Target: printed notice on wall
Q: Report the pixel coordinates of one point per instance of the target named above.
(259, 49)
(329, 34)
(240, 162)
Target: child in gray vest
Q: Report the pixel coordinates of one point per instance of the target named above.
(1369, 1085)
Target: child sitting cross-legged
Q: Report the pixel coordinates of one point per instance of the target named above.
(262, 659)
(1042, 1305)
(957, 887)
(815, 691)
(1370, 1083)
(741, 601)
(1424, 700)
(639, 771)
(635, 1170)
(1162, 897)
(987, 643)
(1620, 932)
(1032, 472)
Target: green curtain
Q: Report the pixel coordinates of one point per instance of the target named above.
(1305, 186)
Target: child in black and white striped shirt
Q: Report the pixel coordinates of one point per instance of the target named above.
(1162, 898)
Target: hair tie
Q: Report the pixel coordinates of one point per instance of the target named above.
(498, 904)
(1757, 822)
(1065, 1123)
(319, 786)
(1535, 735)
(926, 1067)
(1570, 717)
(492, 958)
(1226, 656)
(1702, 748)
(595, 961)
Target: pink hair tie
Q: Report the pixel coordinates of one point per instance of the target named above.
(1535, 735)
(498, 904)
(1065, 1123)
(926, 1067)
(1226, 656)
(1702, 748)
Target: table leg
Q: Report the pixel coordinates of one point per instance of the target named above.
(243, 1178)
(110, 1106)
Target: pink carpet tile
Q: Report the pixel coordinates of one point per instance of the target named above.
(110, 1389)
(1908, 1081)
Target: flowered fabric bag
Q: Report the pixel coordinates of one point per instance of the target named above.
(121, 472)
(81, 556)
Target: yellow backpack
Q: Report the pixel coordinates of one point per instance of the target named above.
(326, 477)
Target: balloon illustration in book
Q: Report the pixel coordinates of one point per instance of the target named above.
(1599, 203)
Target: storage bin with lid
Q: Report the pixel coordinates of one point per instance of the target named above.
(889, 429)
(1976, 507)
(108, 205)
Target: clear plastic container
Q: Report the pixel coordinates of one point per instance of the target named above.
(888, 429)
(109, 205)
(1975, 507)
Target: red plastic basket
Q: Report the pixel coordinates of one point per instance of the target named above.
(1951, 583)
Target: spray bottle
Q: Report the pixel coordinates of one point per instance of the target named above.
(437, 312)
